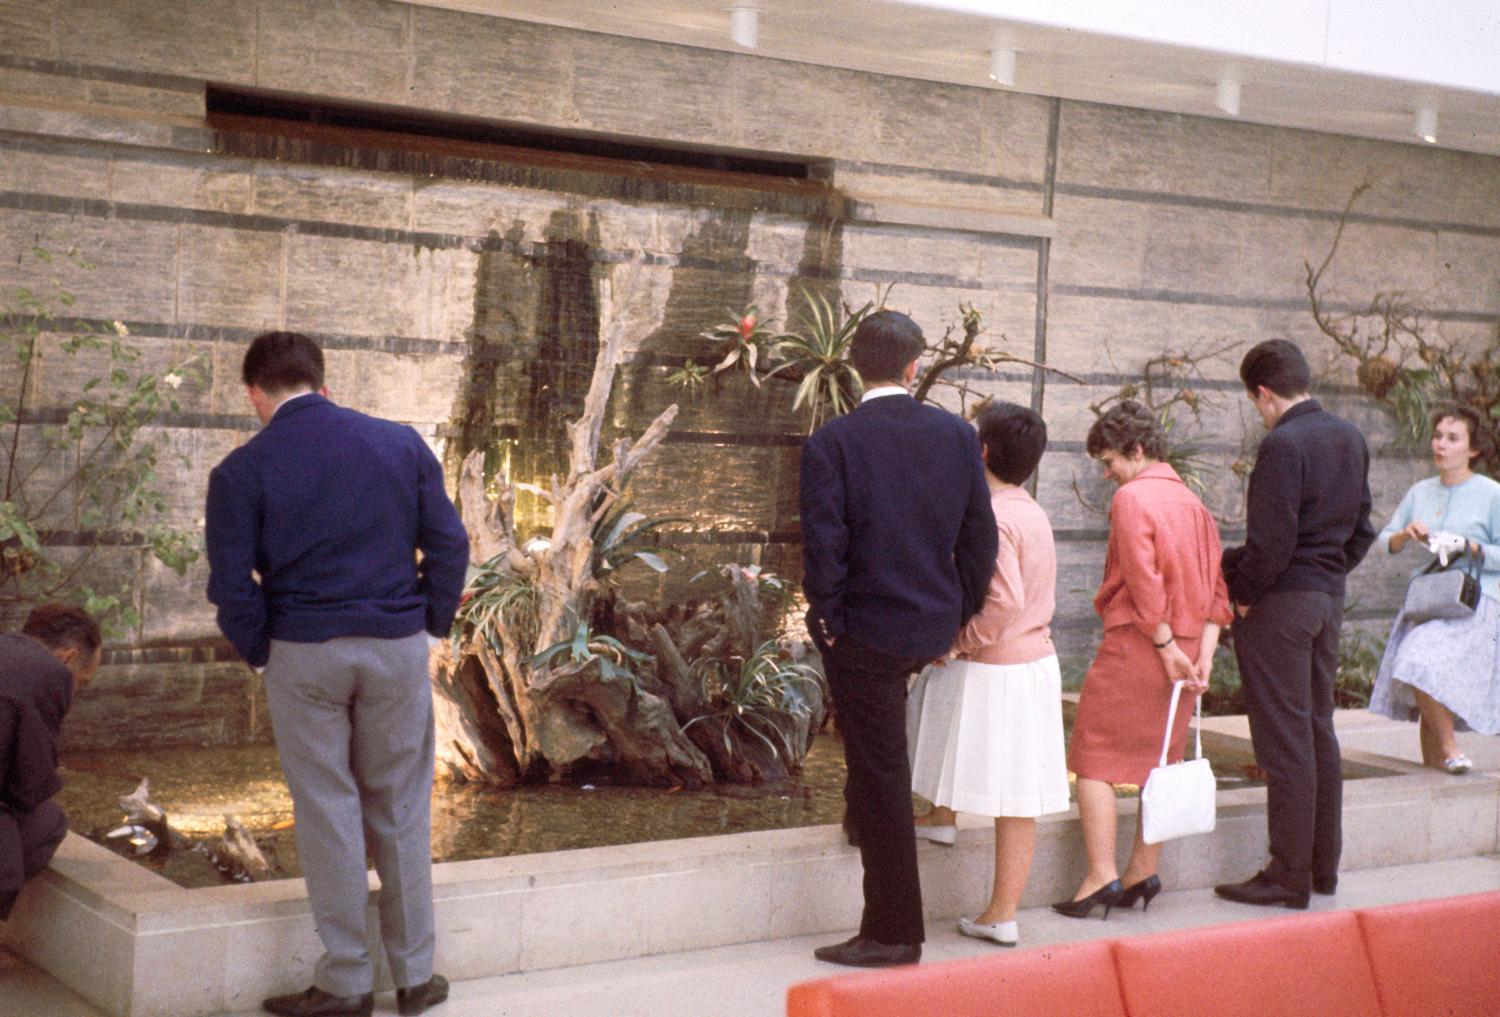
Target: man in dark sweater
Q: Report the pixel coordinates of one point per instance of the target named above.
(1307, 526)
(314, 529)
(56, 654)
(899, 544)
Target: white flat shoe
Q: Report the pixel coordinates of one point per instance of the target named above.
(1458, 764)
(1004, 933)
(938, 834)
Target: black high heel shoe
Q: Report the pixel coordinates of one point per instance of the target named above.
(1143, 891)
(1109, 895)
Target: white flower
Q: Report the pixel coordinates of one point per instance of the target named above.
(120, 328)
(171, 378)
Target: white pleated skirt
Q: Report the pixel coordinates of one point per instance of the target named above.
(987, 739)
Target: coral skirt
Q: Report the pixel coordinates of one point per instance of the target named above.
(1122, 711)
(987, 739)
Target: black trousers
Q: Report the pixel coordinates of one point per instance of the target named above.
(28, 841)
(869, 694)
(1288, 652)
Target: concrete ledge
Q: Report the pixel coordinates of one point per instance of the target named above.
(135, 945)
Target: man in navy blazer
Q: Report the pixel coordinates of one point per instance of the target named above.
(314, 528)
(898, 546)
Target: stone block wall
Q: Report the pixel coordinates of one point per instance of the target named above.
(1090, 237)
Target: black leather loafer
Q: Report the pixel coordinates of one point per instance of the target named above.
(314, 1002)
(860, 952)
(1262, 890)
(412, 1001)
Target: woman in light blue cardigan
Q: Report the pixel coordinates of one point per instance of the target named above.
(1447, 671)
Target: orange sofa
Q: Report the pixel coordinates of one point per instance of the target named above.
(1437, 958)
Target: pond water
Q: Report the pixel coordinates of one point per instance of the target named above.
(197, 787)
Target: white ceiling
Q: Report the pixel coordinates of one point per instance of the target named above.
(914, 40)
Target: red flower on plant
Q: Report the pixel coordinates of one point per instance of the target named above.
(747, 325)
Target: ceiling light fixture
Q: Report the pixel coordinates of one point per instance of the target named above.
(1003, 67)
(1424, 124)
(1227, 96)
(744, 26)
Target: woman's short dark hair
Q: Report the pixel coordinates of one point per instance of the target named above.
(1481, 439)
(282, 361)
(1123, 428)
(883, 344)
(1278, 365)
(61, 625)
(1014, 439)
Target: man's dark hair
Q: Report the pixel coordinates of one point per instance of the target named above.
(1123, 428)
(1014, 439)
(282, 361)
(1278, 365)
(60, 625)
(883, 344)
(1481, 440)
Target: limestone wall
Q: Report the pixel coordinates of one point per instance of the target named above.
(1091, 237)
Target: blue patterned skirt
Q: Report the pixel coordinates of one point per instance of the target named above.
(1456, 662)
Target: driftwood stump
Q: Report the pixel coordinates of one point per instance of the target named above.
(501, 718)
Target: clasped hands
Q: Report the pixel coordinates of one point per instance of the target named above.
(1182, 668)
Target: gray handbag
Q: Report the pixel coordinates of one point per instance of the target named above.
(1438, 592)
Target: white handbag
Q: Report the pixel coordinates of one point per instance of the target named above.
(1179, 800)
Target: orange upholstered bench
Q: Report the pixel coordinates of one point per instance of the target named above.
(1074, 979)
(1437, 958)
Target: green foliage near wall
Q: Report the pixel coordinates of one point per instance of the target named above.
(81, 469)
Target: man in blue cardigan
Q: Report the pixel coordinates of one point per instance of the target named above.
(334, 554)
(898, 546)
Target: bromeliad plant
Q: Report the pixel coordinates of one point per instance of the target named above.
(614, 659)
(816, 357)
(82, 475)
(766, 697)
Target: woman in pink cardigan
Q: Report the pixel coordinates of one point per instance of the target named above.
(988, 736)
(1162, 602)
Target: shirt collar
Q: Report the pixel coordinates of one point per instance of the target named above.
(289, 399)
(882, 391)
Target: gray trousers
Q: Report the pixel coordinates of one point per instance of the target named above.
(353, 724)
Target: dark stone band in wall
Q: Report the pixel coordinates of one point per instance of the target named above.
(97, 208)
(94, 72)
(1143, 197)
(1190, 297)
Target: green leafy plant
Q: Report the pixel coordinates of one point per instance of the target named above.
(768, 697)
(622, 536)
(614, 658)
(690, 377)
(818, 355)
(83, 475)
(496, 600)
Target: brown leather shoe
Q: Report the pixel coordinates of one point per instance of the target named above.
(412, 1001)
(314, 1002)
